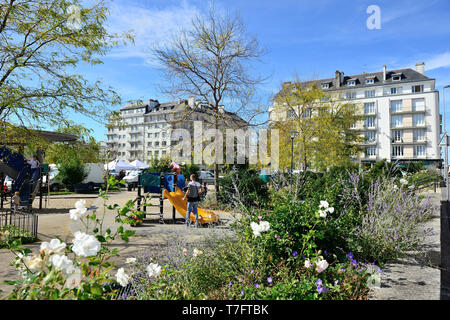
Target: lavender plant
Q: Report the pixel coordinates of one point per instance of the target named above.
(392, 223)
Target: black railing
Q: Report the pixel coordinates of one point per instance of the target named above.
(19, 225)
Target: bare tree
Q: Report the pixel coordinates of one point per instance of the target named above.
(213, 62)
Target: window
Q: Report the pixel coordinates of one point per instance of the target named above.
(370, 136)
(350, 95)
(290, 113)
(396, 121)
(397, 136)
(325, 85)
(397, 151)
(351, 83)
(369, 122)
(418, 88)
(420, 151)
(371, 151)
(370, 93)
(369, 108)
(149, 144)
(370, 81)
(418, 105)
(419, 135)
(396, 78)
(418, 119)
(396, 106)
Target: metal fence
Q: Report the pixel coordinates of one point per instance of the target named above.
(19, 225)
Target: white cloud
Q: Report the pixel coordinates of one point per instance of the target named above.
(149, 25)
(438, 61)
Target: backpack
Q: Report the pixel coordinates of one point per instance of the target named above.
(193, 193)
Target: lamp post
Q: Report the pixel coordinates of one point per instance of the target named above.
(445, 219)
(292, 153)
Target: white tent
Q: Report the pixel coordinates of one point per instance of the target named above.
(139, 164)
(119, 165)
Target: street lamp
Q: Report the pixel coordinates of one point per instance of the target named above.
(445, 138)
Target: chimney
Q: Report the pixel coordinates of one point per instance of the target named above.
(384, 72)
(338, 79)
(191, 102)
(420, 67)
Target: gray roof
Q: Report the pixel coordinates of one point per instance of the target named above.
(408, 75)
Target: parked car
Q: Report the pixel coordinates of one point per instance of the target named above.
(206, 177)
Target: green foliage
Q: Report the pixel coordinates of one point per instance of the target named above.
(159, 165)
(71, 171)
(245, 186)
(10, 233)
(85, 148)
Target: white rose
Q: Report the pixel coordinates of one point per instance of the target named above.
(80, 204)
(324, 205)
(62, 263)
(85, 245)
(131, 260)
(330, 210)
(34, 263)
(77, 213)
(321, 265)
(322, 213)
(74, 280)
(307, 264)
(265, 226)
(54, 246)
(197, 252)
(153, 270)
(122, 278)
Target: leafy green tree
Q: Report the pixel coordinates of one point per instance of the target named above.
(86, 149)
(320, 125)
(42, 43)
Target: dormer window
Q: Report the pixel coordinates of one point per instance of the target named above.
(351, 83)
(370, 81)
(325, 85)
(397, 77)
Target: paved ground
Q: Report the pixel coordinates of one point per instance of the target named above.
(417, 276)
(151, 238)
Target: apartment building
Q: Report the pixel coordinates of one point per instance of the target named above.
(145, 129)
(401, 112)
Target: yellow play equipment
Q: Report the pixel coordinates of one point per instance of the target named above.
(176, 199)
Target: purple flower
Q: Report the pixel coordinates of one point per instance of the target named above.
(242, 292)
(336, 282)
(325, 252)
(256, 285)
(321, 289)
(354, 263)
(380, 271)
(294, 254)
(319, 282)
(350, 255)
(269, 279)
(251, 272)
(230, 284)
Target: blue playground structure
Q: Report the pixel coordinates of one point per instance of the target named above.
(26, 181)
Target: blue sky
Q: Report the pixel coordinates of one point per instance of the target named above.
(308, 39)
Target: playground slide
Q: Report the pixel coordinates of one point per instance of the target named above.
(176, 198)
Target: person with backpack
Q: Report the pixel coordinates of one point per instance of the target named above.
(194, 189)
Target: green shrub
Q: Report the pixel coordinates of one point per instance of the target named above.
(245, 187)
(71, 172)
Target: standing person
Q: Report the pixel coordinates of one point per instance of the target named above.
(16, 201)
(194, 189)
(34, 167)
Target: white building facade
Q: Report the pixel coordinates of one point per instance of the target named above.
(144, 129)
(401, 113)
